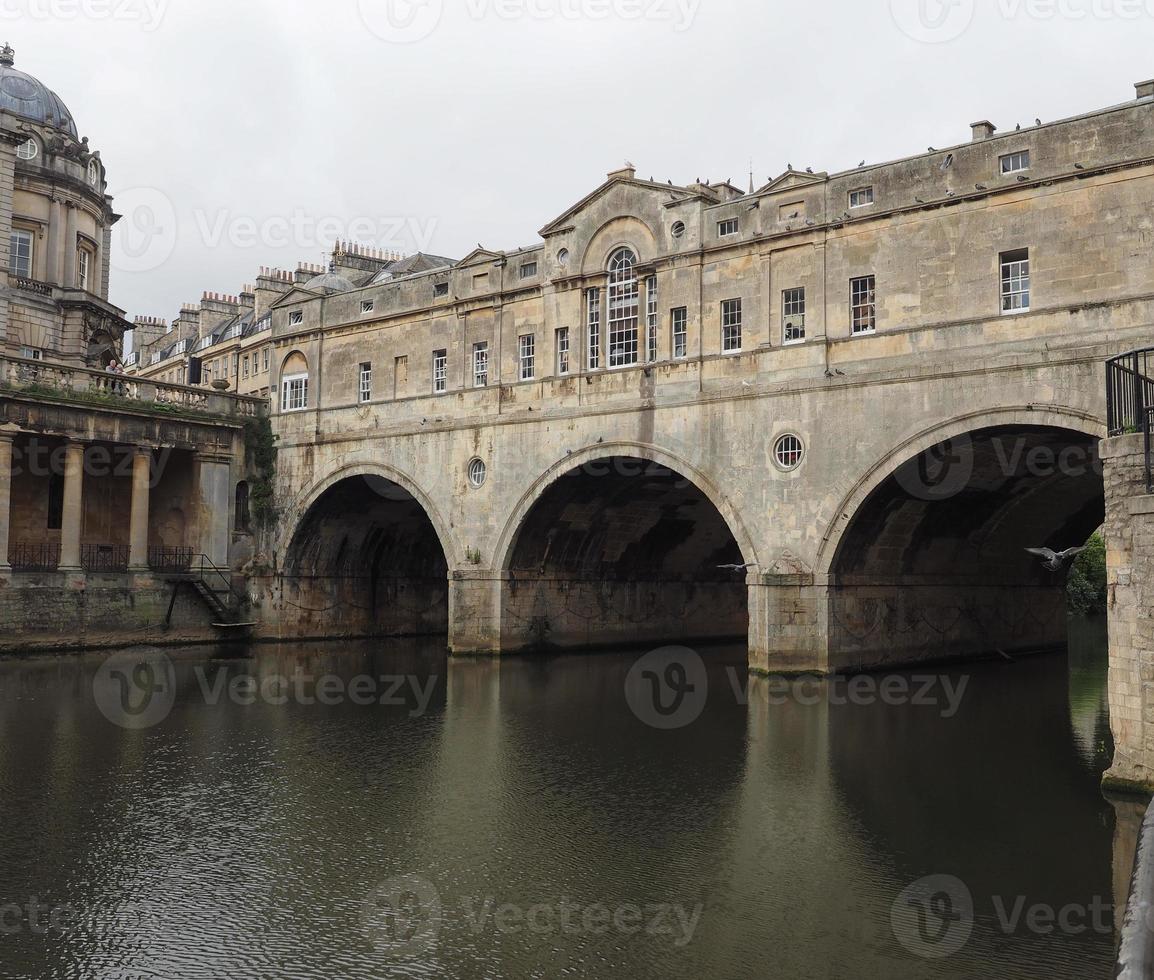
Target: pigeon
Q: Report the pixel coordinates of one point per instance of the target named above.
(1079, 166)
(979, 187)
(862, 164)
(919, 200)
(1018, 128)
(1053, 560)
(1037, 122)
(931, 149)
(809, 170)
(738, 568)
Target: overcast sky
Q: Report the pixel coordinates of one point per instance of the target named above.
(241, 134)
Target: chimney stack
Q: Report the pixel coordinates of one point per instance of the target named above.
(1145, 90)
(983, 130)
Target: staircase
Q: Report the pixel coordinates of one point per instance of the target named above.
(213, 586)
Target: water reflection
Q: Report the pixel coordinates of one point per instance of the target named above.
(260, 836)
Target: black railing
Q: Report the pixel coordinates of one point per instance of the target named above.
(172, 560)
(1130, 400)
(104, 557)
(34, 557)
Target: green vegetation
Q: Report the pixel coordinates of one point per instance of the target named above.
(260, 445)
(1086, 586)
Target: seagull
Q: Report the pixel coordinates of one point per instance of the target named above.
(1055, 561)
(738, 568)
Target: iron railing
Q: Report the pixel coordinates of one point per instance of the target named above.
(104, 557)
(24, 557)
(1130, 400)
(171, 560)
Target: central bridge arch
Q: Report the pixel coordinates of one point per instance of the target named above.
(620, 544)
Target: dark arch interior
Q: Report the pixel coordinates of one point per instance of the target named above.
(367, 556)
(619, 551)
(935, 562)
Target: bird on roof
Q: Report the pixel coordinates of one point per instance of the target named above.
(931, 149)
(1018, 127)
(919, 200)
(979, 187)
(862, 164)
(1079, 166)
(789, 166)
(1037, 122)
(809, 170)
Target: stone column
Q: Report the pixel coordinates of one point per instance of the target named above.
(214, 500)
(55, 231)
(138, 520)
(73, 507)
(5, 500)
(70, 248)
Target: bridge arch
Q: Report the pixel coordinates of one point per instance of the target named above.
(926, 556)
(369, 551)
(622, 543)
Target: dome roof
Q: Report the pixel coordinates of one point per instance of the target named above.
(329, 282)
(23, 95)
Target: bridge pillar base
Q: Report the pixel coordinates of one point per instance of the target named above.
(475, 612)
(788, 625)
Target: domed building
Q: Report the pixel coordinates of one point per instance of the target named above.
(55, 223)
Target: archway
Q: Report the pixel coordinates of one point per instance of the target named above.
(366, 560)
(933, 562)
(620, 550)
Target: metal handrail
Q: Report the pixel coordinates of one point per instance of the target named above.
(40, 557)
(207, 568)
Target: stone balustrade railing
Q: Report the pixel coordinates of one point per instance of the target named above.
(21, 374)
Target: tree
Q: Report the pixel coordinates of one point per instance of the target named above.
(1086, 586)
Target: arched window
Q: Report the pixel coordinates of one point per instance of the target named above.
(241, 522)
(294, 383)
(623, 308)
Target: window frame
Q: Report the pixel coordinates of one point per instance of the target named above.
(724, 223)
(563, 351)
(364, 382)
(793, 297)
(440, 371)
(1008, 280)
(84, 260)
(529, 270)
(296, 318)
(22, 234)
(652, 298)
(867, 189)
(368, 306)
(870, 282)
(31, 141)
(481, 364)
(440, 290)
(527, 356)
(289, 403)
(731, 325)
(679, 331)
(624, 322)
(593, 328)
(1006, 162)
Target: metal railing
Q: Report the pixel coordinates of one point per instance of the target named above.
(104, 557)
(171, 560)
(1130, 400)
(42, 557)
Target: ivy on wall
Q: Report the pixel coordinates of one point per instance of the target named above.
(260, 447)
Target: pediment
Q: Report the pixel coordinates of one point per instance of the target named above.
(665, 193)
(791, 179)
(298, 294)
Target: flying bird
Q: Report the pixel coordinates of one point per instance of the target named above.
(1055, 561)
(738, 568)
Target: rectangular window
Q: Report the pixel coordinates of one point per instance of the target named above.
(651, 319)
(528, 270)
(731, 325)
(244, 366)
(861, 197)
(264, 363)
(593, 318)
(527, 354)
(1015, 281)
(793, 315)
(728, 227)
(83, 267)
(296, 318)
(294, 393)
(440, 372)
(365, 385)
(368, 305)
(20, 254)
(563, 350)
(480, 365)
(680, 330)
(863, 304)
(1012, 163)
(441, 289)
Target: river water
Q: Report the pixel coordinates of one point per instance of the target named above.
(209, 814)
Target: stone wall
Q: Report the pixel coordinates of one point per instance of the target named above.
(52, 612)
(1130, 577)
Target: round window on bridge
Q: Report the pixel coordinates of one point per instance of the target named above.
(789, 452)
(477, 473)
